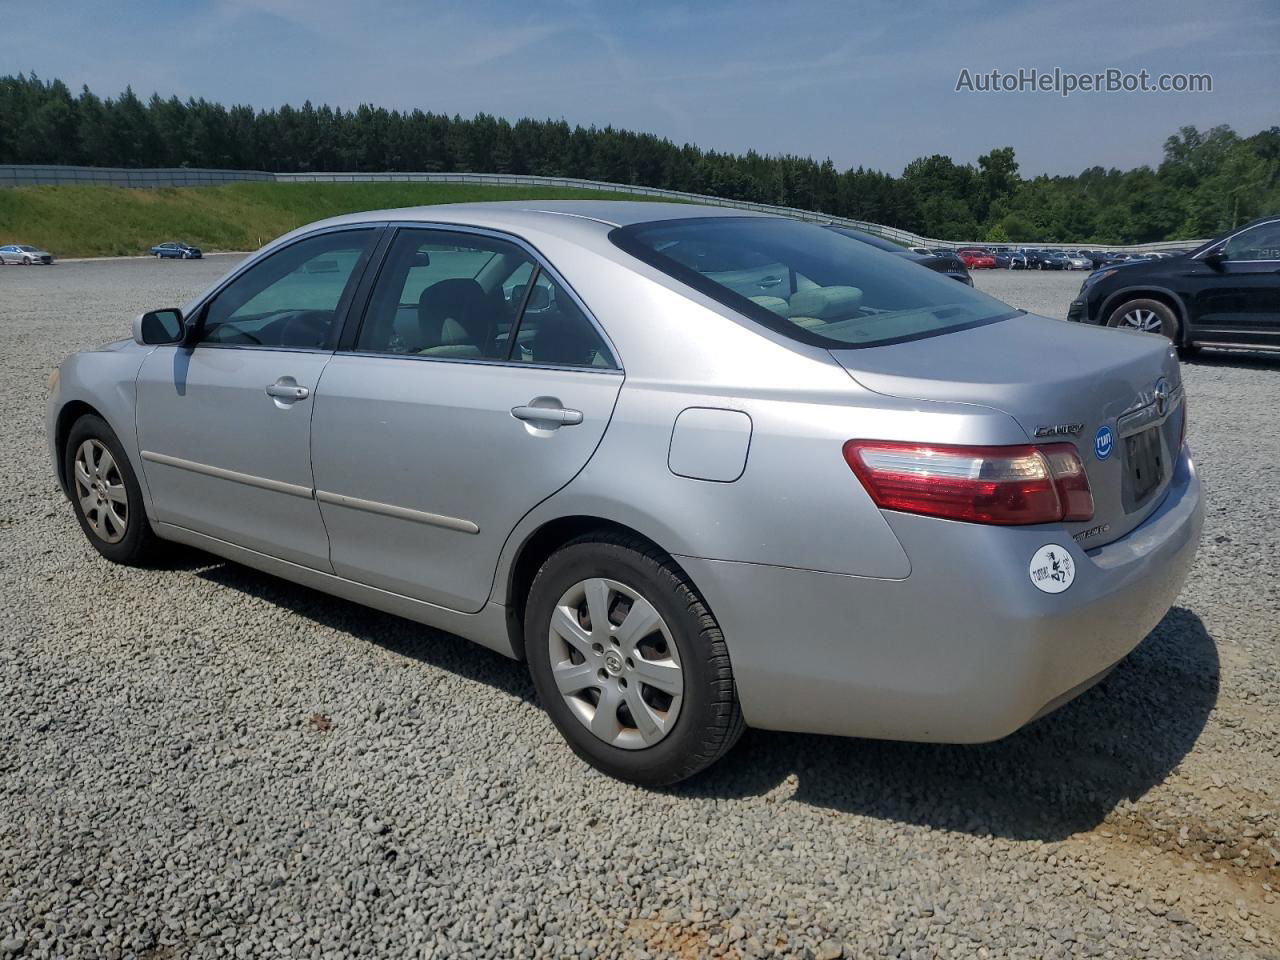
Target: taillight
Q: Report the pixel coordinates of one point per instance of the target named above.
(1001, 485)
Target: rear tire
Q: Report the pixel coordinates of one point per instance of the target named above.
(105, 494)
(1148, 316)
(589, 676)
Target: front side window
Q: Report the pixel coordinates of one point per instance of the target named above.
(291, 298)
(808, 282)
(465, 296)
(1260, 243)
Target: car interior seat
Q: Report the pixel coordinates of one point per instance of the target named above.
(455, 319)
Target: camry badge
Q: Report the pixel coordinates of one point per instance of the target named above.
(1060, 430)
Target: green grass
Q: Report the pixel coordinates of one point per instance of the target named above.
(115, 221)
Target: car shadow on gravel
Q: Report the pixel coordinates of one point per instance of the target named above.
(397, 635)
(1058, 776)
(1242, 358)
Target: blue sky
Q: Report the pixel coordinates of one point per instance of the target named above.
(870, 84)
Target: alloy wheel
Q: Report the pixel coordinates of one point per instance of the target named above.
(1145, 320)
(101, 492)
(615, 663)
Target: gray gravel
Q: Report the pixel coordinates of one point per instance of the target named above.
(204, 761)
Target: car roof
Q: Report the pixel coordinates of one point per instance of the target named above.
(553, 216)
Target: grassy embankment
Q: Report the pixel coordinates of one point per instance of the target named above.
(114, 221)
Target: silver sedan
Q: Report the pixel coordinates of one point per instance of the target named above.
(23, 254)
(699, 468)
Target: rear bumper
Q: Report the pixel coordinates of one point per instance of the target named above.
(963, 650)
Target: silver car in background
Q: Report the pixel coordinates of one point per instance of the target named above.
(23, 254)
(699, 468)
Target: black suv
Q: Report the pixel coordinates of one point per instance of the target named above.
(1227, 292)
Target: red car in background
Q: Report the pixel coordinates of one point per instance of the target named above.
(977, 259)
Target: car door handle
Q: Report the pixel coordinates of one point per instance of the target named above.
(768, 281)
(286, 388)
(557, 416)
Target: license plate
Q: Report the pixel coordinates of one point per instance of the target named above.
(1145, 457)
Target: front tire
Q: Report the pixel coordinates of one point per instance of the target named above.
(105, 494)
(1148, 316)
(628, 661)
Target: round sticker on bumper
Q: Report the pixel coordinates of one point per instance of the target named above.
(1052, 570)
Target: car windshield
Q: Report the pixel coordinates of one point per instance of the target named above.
(808, 282)
(26, 249)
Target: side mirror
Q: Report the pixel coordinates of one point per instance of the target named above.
(1215, 260)
(159, 327)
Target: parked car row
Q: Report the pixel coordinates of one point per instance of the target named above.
(24, 254)
(1031, 258)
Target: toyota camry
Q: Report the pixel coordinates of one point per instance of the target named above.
(699, 468)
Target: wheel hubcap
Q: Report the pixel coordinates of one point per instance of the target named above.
(1144, 320)
(101, 492)
(615, 663)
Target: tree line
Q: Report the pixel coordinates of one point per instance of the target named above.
(1207, 182)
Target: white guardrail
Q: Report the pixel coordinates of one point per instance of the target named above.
(30, 175)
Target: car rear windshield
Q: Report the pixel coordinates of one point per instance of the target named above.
(807, 282)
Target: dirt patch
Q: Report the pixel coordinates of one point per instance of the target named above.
(1221, 876)
(683, 941)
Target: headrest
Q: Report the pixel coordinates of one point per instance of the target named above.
(461, 300)
(826, 303)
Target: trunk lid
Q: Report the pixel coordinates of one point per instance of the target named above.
(1052, 376)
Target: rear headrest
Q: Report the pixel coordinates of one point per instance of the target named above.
(460, 300)
(775, 304)
(826, 303)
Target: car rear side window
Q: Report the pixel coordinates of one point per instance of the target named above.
(291, 297)
(808, 282)
(445, 294)
(554, 330)
(467, 296)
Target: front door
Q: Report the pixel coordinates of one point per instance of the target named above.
(224, 428)
(1242, 297)
(476, 388)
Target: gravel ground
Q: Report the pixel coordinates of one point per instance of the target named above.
(205, 761)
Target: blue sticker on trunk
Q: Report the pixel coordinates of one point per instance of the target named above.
(1104, 442)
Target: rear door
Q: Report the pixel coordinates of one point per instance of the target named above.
(476, 386)
(224, 428)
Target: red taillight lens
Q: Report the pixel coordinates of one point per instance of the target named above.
(1001, 485)
(1071, 480)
